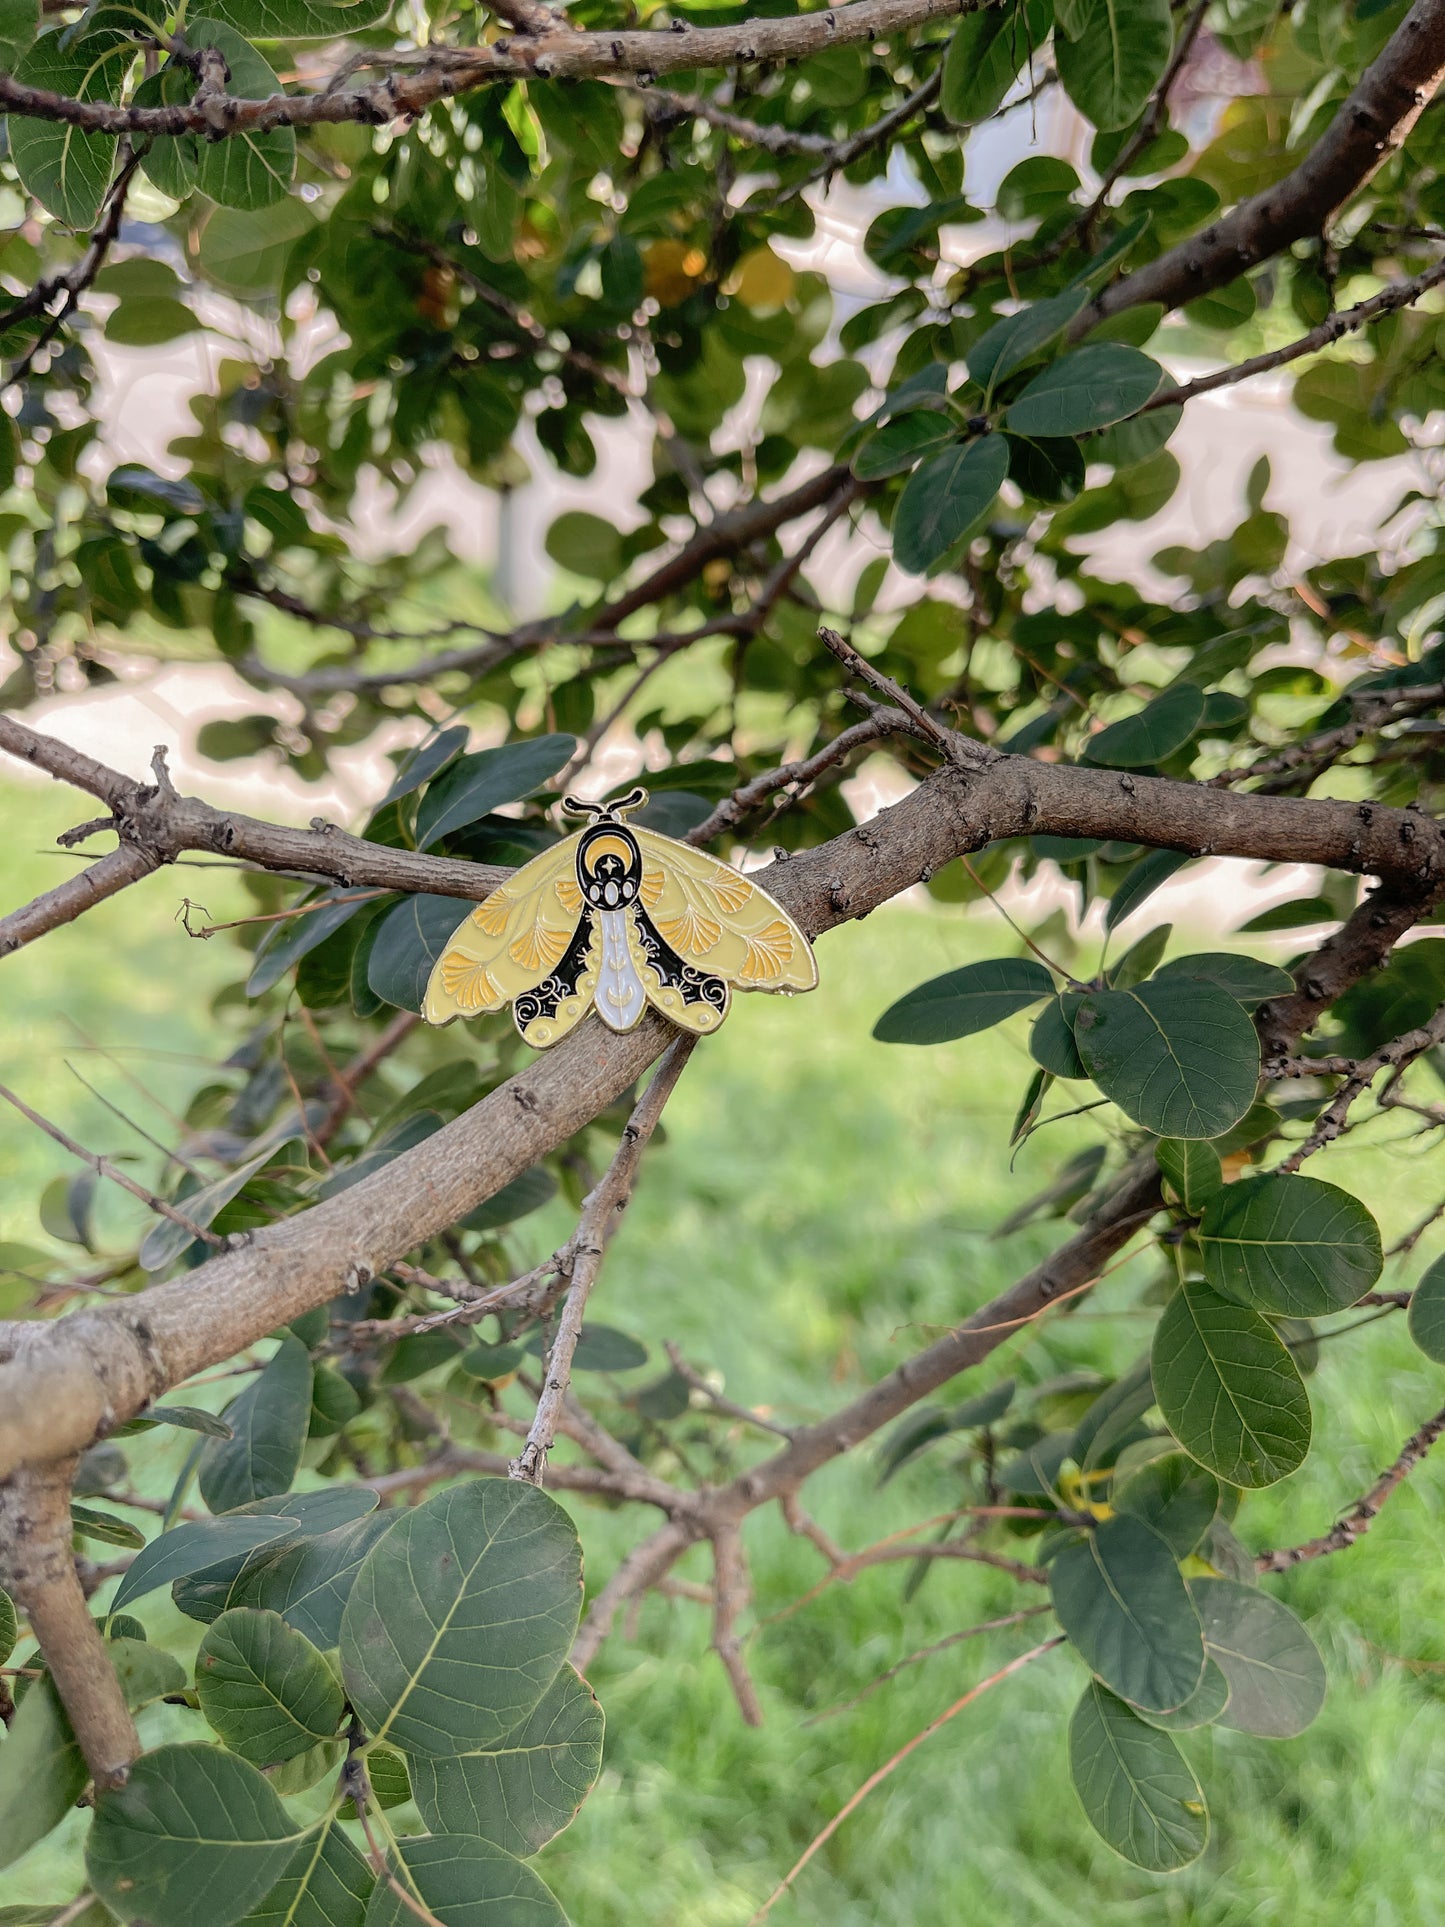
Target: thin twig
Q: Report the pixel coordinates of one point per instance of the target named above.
(1362, 1515)
(889, 1766)
(595, 1228)
(105, 1169)
(927, 1652)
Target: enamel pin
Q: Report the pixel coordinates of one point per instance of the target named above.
(622, 918)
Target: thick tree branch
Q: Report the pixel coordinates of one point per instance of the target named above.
(560, 53)
(1370, 125)
(37, 1568)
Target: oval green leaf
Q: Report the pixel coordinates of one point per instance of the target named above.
(326, 1884)
(1175, 1495)
(473, 786)
(1427, 1312)
(1051, 1041)
(1193, 1168)
(1248, 980)
(946, 500)
(1159, 728)
(193, 1546)
(67, 170)
(1119, 1597)
(1134, 1785)
(1202, 1708)
(461, 1616)
(195, 1834)
(464, 1882)
(1290, 1246)
(1112, 57)
(527, 1787)
(1087, 388)
(265, 1688)
(964, 1001)
(901, 442)
(248, 169)
(1275, 1674)
(268, 1429)
(1229, 1390)
(408, 941)
(1179, 1057)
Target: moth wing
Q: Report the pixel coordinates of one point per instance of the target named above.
(545, 1013)
(511, 941)
(661, 976)
(721, 921)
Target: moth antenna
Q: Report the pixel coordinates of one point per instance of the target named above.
(578, 806)
(624, 806)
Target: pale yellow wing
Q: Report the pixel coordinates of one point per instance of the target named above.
(719, 920)
(512, 940)
(701, 1011)
(546, 1013)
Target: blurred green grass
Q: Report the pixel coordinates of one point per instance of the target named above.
(822, 1204)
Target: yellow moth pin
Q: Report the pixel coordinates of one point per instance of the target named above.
(622, 918)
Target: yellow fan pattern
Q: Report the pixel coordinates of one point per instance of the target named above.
(617, 918)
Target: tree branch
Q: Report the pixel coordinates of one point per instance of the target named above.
(38, 1568)
(1362, 1515)
(585, 1250)
(560, 53)
(1370, 125)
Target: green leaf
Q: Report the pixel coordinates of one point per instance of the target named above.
(600, 1348)
(466, 1883)
(1247, 979)
(423, 763)
(326, 1884)
(586, 545)
(1275, 1674)
(9, 1626)
(1139, 959)
(68, 171)
(93, 1524)
(265, 1688)
(307, 1580)
(145, 1672)
(1426, 1315)
(268, 1424)
(1159, 728)
(166, 1240)
(1134, 1785)
(290, 941)
(192, 1547)
(1114, 57)
(1290, 1246)
(946, 500)
(1193, 1169)
(1179, 1057)
(172, 162)
(1202, 1708)
(984, 57)
(1119, 1597)
(1087, 388)
(961, 1002)
(246, 170)
(515, 1200)
(244, 251)
(408, 941)
(195, 1834)
(19, 23)
(1009, 343)
(899, 443)
(42, 1773)
(1175, 1496)
(1142, 881)
(461, 1617)
(1229, 1390)
(527, 1787)
(188, 1418)
(475, 785)
(297, 19)
(1051, 1041)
